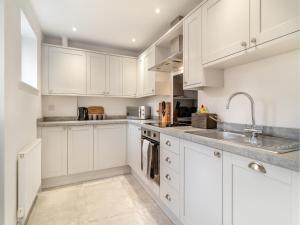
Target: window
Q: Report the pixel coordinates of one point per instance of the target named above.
(29, 53)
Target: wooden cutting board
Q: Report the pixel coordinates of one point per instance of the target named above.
(96, 110)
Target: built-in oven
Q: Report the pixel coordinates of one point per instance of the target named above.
(150, 154)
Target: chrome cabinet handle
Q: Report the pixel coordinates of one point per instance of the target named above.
(257, 167)
(168, 143)
(244, 44)
(168, 197)
(168, 160)
(253, 41)
(168, 177)
(152, 90)
(217, 154)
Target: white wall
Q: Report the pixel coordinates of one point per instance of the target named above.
(22, 104)
(1, 112)
(272, 82)
(59, 106)
(112, 106)
(67, 106)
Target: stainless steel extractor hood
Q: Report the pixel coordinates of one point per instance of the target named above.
(174, 61)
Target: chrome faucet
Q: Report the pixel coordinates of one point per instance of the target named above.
(253, 129)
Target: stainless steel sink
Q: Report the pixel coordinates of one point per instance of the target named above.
(267, 143)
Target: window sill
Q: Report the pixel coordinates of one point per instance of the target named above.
(27, 88)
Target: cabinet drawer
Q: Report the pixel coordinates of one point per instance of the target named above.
(169, 143)
(170, 159)
(169, 177)
(170, 198)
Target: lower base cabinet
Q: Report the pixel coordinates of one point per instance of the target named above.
(258, 193)
(134, 147)
(109, 146)
(80, 149)
(54, 152)
(201, 185)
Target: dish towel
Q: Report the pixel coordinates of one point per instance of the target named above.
(145, 152)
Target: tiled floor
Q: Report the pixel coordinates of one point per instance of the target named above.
(113, 201)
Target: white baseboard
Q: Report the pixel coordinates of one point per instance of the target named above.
(83, 177)
(156, 198)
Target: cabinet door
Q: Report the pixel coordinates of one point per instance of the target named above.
(115, 76)
(80, 149)
(193, 71)
(109, 146)
(54, 152)
(97, 72)
(256, 196)
(134, 147)
(273, 19)
(149, 76)
(129, 77)
(202, 185)
(140, 77)
(225, 25)
(67, 71)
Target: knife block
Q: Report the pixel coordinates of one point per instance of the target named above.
(164, 115)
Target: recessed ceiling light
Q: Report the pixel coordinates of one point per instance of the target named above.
(133, 40)
(74, 29)
(157, 11)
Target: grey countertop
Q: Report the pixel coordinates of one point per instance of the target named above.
(288, 160)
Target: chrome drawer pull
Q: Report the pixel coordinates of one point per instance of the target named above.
(168, 143)
(217, 154)
(257, 167)
(168, 197)
(168, 177)
(168, 160)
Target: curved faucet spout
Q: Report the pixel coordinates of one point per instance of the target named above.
(252, 105)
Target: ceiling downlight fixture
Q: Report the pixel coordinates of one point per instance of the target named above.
(157, 10)
(133, 40)
(74, 29)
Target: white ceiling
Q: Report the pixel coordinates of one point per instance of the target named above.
(110, 23)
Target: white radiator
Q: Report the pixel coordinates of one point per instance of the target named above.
(29, 178)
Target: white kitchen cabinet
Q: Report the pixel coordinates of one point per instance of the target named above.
(129, 77)
(149, 76)
(66, 71)
(80, 149)
(140, 77)
(225, 25)
(273, 19)
(109, 146)
(134, 147)
(264, 195)
(54, 152)
(97, 72)
(114, 81)
(195, 75)
(201, 184)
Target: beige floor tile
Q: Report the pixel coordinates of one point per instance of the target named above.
(113, 201)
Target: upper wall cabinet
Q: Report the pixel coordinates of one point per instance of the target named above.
(97, 71)
(194, 74)
(114, 81)
(66, 71)
(225, 26)
(129, 77)
(236, 32)
(273, 19)
(153, 83)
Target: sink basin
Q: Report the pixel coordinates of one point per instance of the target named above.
(267, 143)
